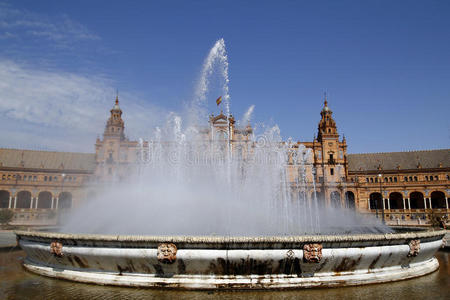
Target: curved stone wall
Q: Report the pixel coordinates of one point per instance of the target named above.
(232, 262)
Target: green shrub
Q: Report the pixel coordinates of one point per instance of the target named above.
(6, 216)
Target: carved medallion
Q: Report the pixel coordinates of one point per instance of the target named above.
(56, 249)
(414, 248)
(167, 253)
(312, 253)
(290, 254)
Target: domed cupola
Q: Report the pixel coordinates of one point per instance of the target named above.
(327, 126)
(115, 125)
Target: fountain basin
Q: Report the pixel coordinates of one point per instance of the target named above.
(209, 262)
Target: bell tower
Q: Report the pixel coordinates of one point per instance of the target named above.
(327, 126)
(115, 125)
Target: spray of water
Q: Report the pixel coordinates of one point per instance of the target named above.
(190, 181)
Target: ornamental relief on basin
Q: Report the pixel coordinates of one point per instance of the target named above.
(312, 253)
(414, 248)
(56, 249)
(167, 253)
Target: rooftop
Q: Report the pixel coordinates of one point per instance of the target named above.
(32, 159)
(427, 159)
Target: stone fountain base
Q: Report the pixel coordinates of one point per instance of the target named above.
(232, 262)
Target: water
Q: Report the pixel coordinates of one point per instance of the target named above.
(16, 283)
(217, 178)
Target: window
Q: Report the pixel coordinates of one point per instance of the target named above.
(331, 156)
(45, 178)
(376, 179)
(385, 179)
(436, 178)
(431, 178)
(395, 179)
(49, 178)
(331, 171)
(426, 178)
(367, 179)
(371, 180)
(406, 178)
(415, 178)
(34, 178)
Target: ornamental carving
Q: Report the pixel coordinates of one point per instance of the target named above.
(312, 253)
(56, 249)
(290, 254)
(167, 253)
(414, 248)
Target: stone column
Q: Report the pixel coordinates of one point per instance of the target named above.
(36, 205)
(10, 202)
(53, 203)
(368, 203)
(56, 204)
(446, 203)
(404, 204)
(384, 204)
(429, 203)
(409, 204)
(425, 203)
(389, 204)
(15, 202)
(31, 202)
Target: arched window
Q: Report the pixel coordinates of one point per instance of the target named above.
(4, 199)
(396, 200)
(438, 199)
(350, 200)
(415, 178)
(416, 200)
(376, 201)
(406, 178)
(23, 199)
(65, 200)
(335, 198)
(395, 179)
(45, 200)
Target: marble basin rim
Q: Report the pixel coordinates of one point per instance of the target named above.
(214, 262)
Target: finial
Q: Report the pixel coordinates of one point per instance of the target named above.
(117, 96)
(325, 98)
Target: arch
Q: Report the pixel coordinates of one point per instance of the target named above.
(65, 200)
(350, 200)
(335, 199)
(438, 200)
(4, 199)
(23, 199)
(376, 201)
(416, 200)
(320, 198)
(395, 200)
(45, 200)
(302, 196)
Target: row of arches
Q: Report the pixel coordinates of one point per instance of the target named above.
(335, 199)
(44, 200)
(416, 201)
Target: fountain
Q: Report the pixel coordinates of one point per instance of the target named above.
(217, 207)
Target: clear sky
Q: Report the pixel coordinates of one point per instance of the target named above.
(385, 66)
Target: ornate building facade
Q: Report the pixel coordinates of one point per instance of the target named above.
(402, 187)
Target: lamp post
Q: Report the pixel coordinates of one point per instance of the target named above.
(381, 193)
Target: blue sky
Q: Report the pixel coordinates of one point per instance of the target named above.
(384, 64)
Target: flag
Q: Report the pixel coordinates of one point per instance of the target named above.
(219, 100)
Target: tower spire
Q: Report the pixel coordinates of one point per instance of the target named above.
(117, 96)
(325, 102)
